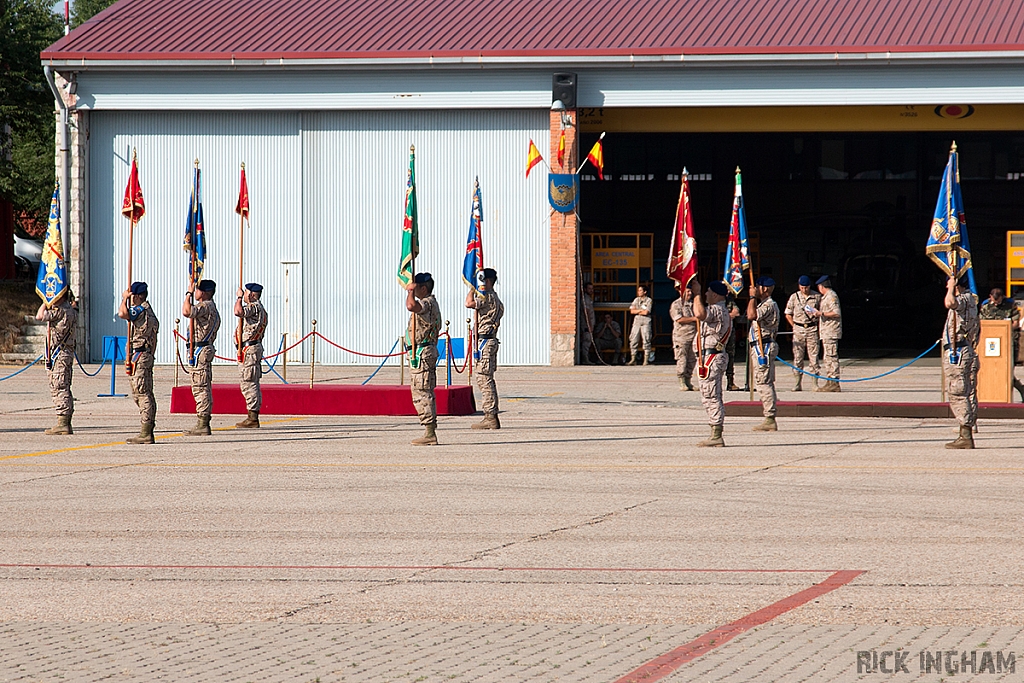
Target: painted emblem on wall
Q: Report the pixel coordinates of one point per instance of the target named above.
(563, 191)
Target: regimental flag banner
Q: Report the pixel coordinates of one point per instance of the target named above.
(195, 233)
(682, 255)
(947, 244)
(737, 255)
(474, 261)
(410, 227)
(533, 158)
(563, 191)
(596, 156)
(561, 149)
(52, 281)
(242, 207)
(133, 207)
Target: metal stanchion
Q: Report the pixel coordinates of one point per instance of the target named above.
(284, 357)
(401, 371)
(312, 358)
(448, 353)
(176, 363)
(470, 348)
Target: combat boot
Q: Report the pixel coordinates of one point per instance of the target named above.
(814, 381)
(647, 359)
(145, 434)
(429, 437)
(490, 421)
(767, 426)
(252, 421)
(964, 441)
(62, 428)
(632, 360)
(799, 382)
(715, 440)
(1019, 387)
(202, 427)
(732, 385)
(688, 383)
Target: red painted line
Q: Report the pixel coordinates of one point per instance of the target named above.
(666, 664)
(667, 570)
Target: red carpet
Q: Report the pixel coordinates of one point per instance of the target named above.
(346, 399)
(870, 409)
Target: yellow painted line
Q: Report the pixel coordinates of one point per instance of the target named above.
(70, 449)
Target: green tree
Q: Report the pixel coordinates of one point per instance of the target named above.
(27, 125)
(83, 10)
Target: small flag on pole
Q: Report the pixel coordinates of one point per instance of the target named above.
(242, 207)
(410, 226)
(682, 256)
(737, 258)
(533, 158)
(947, 243)
(561, 149)
(52, 280)
(195, 234)
(474, 261)
(134, 207)
(596, 156)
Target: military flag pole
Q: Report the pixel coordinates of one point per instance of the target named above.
(133, 208)
(473, 263)
(682, 256)
(410, 243)
(242, 209)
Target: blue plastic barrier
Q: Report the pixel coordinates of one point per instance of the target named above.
(113, 351)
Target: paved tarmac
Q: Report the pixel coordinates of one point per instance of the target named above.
(587, 540)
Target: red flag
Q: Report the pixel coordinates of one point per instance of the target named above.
(133, 208)
(682, 256)
(561, 149)
(242, 207)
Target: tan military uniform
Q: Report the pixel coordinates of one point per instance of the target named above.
(142, 347)
(207, 320)
(962, 378)
(61, 318)
(830, 331)
(805, 330)
(424, 364)
(682, 338)
(643, 328)
(254, 324)
(714, 333)
(489, 310)
(764, 366)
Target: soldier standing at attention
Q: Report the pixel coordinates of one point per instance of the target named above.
(684, 327)
(254, 323)
(730, 346)
(799, 313)
(642, 325)
(425, 322)
(959, 360)
(714, 331)
(199, 306)
(830, 328)
(763, 314)
(587, 323)
(489, 311)
(60, 318)
(141, 348)
(998, 307)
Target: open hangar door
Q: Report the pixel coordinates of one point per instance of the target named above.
(843, 191)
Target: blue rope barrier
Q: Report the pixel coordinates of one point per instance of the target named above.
(860, 379)
(14, 374)
(86, 372)
(381, 364)
(270, 366)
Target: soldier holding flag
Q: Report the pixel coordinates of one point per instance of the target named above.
(763, 314)
(145, 329)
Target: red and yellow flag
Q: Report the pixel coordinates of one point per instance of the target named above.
(596, 157)
(133, 208)
(533, 158)
(682, 254)
(561, 150)
(242, 207)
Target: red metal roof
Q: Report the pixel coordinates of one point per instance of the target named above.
(339, 29)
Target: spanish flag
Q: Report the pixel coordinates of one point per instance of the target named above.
(533, 158)
(561, 150)
(596, 157)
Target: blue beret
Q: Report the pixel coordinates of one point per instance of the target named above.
(804, 281)
(718, 287)
(207, 286)
(253, 287)
(140, 288)
(823, 280)
(423, 278)
(765, 281)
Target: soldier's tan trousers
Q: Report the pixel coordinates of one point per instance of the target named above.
(764, 378)
(142, 387)
(830, 358)
(643, 331)
(805, 348)
(485, 377)
(60, 382)
(202, 381)
(961, 385)
(711, 389)
(423, 380)
(251, 372)
(686, 357)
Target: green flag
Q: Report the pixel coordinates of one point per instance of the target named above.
(410, 226)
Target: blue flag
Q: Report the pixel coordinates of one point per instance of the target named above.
(195, 235)
(474, 262)
(948, 244)
(52, 281)
(737, 253)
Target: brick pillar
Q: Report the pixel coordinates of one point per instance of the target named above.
(563, 253)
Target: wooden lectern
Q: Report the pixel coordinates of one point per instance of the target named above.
(995, 354)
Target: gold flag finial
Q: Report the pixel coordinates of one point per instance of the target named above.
(737, 169)
(243, 165)
(197, 162)
(412, 149)
(135, 154)
(953, 148)
(685, 172)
